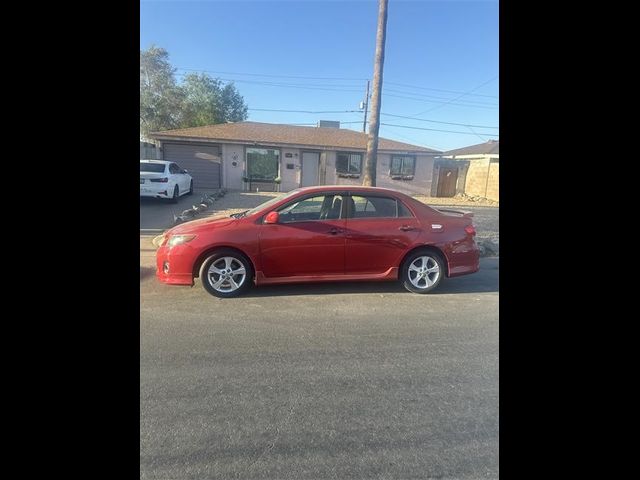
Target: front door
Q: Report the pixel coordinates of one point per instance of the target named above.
(310, 162)
(308, 240)
(379, 231)
(447, 181)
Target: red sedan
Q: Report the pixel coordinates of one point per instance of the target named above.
(326, 233)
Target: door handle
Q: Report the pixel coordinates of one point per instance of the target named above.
(334, 231)
(406, 228)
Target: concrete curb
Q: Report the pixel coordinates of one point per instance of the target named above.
(152, 231)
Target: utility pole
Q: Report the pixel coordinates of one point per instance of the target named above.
(369, 177)
(366, 107)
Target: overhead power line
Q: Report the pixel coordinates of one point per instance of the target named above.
(417, 99)
(423, 95)
(271, 75)
(382, 113)
(412, 140)
(285, 85)
(315, 124)
(275, 82)
(303, 111)
(477, 135)
(459, 96)
(302, 77)
(435, 129)
(438, 121)
(303, 124)
(441, 90)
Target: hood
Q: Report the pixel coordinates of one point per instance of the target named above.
(195, 225)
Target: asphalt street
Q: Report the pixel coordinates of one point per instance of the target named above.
(342, 380)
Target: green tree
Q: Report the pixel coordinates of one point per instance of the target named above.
(207, 101)
(232, 104)
(199, 100)
(161, 99)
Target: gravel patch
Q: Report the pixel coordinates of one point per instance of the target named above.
(457, 201)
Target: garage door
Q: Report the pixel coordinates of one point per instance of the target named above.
(202, 161)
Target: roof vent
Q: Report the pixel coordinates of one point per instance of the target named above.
(328, 124)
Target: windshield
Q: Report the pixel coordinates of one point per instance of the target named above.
(152, 167)
(268, 203)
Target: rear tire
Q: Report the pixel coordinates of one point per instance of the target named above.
(422, 271)
(176, 195)
(226, 273)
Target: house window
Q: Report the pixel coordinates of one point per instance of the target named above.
(403, 166)
(263, 163)
(349, 163)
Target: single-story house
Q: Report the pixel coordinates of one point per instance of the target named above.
(473, 170)
(265, 156)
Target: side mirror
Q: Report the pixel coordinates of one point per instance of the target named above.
(184, 171)
(272, 217)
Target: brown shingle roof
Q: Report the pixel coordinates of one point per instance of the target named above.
(287, 134)
(490, 147)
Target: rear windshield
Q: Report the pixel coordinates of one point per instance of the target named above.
(152, 167)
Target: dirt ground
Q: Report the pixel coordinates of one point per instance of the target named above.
(455, 201)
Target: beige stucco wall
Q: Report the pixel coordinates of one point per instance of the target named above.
(483, 179)
(493, 187)
(330, 165)
(232, 176)
(421, 183)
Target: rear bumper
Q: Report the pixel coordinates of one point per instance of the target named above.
(180, 267)
(156, 190)
(464, 258)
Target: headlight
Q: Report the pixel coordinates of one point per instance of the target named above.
(179, 240)
(159, 240)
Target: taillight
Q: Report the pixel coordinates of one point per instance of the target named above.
(160, 180)
(470, 229)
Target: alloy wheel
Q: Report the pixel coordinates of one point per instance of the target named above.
(423, 272)
(226, 274)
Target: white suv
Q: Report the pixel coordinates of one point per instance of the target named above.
(161, 179)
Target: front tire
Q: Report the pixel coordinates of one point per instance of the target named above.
(422, 271)
(190, 192)
(176, 195)
(226, 273)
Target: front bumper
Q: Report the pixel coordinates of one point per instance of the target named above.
(180, 266)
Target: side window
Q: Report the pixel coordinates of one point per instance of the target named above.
(173, 168)
(322, 207)
(403, 211)
(365, 206)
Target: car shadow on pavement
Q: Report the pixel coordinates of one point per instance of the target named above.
(146, 272)
(486, 280)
